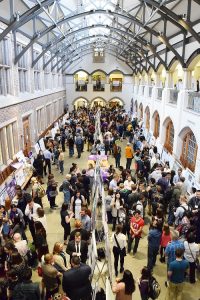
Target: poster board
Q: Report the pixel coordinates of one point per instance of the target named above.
(37, 148)
(109, 293)
(20, 156)
(10, 186)
(41, 143)
(3, 194)
(20, 176)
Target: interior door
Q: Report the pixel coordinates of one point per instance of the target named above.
(27, 136)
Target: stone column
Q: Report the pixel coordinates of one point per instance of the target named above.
(186, 79)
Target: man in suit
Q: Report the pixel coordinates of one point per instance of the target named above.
(75, 288)
(78, 248)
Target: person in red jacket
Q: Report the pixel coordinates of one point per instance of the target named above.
(136, 225)
(165, 239)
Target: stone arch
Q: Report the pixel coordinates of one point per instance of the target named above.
(83, 99)
(147, 118)
(193, 59)
(140, 111)
(156, 124)
(81, 70)
(116, 70)
(102, 101)
(98, 70)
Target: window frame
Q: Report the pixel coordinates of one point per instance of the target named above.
(156, 131)
(169, 145)
(185, 151)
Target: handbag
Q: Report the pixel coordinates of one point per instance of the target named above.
(39, 270)
(121, 251)
(197, 264)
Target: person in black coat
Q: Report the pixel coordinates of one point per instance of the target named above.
(76, 283)
(78, 248)
(38, 165)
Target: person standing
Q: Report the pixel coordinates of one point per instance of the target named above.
(78, 247)
(71, 145)
(79, 144)
(76, 281)
(129, 156)
(66, 217)
(66, 188)
(136, 226)
(176, 275)
(119, 248)
(61, 161)
(31, 213)
(47, 158)
(191, 253)
(125, 287)
(154, 238)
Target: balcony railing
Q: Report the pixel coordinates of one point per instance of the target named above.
(159, 94)
(99, 87)
(173, 97)
(81, 87)
(150, 91)
(194, 101)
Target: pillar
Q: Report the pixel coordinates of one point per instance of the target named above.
(186, 79)
(168, 79)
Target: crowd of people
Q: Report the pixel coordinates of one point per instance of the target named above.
(144, 192)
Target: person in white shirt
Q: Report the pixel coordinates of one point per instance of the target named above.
(177, 177)
(119, 248)
(156, 174)
(42, 218)
(31, 213)
(191, 253)
(20, 244)
(113, 184)
(128, 183)
(179, 213)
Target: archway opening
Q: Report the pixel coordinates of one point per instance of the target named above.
(81, 80)
(80, 103)
(116, 103)
(99, 81)
(98, 102)
(116, 80)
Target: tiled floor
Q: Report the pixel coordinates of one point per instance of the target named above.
(55, 234)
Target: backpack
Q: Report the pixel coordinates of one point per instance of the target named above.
(40, 191)
(184, 213)
(154, 288)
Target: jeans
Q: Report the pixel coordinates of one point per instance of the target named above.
(67, 196)
(61, 166)
(192, 272)
(174, 291)
(79, 150)
(130, 240)
(118, 255)
(52, 201)
(128, 163)
(47, 164)
(71, 151)
(152, 254)
(117, 161)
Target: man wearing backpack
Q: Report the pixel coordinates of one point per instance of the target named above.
(38, 192)
(181, 210)
(176, 274)
(79, 144)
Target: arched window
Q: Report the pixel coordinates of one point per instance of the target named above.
(147, 118)
(156, 126)
(189, 151)
(169, 138)
(141, 111)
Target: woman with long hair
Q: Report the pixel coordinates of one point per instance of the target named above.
(125, 287)
(66, 217)
(40, 240)
(60, 261)
(116, 203)
(119, 248)
(143, 283)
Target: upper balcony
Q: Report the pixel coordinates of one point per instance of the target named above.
(159, 93)
(173, 96)
(193, 103)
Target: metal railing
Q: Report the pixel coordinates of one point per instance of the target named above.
(194, 101)
(159, 94)
(173, 97)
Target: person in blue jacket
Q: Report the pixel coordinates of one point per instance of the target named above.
(154, 238)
